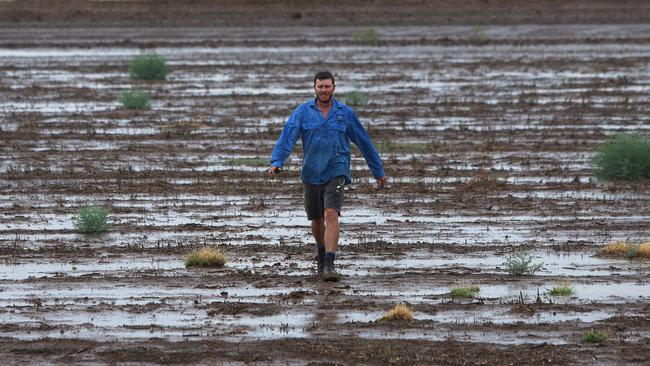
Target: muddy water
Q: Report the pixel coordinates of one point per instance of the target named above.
(489, 148)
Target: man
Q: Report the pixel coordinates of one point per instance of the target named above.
(326, 127)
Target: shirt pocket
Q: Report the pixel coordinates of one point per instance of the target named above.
(309, 125)
(339, 123)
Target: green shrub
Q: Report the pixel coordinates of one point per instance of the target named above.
(594, 336)
(368, 36)
(92, 219)
(356, 98)
(135, 99)
(465, 292)
(562, 290)
(625, 157)
(148, 67)
(520, 264)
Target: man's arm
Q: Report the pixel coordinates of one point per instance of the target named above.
(359, 137)
(286, 142)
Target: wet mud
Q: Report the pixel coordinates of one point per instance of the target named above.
(488, 143)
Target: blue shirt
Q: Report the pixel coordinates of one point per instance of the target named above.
(325, 142)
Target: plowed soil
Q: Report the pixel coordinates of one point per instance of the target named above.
(487, 117)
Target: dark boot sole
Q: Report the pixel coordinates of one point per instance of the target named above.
(331, 277)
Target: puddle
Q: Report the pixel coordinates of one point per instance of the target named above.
(57, 107)
(172, 325)
(569, 264)
(22, 271)
(585, 293)
(493, 336)
(490, 315)
(19, 295)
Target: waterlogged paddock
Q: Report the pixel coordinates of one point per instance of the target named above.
(488, 144)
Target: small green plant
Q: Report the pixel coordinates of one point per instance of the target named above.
(368, 36)
(562, 290)
(148, 67)
(521, 264)
(633, 250)
(356, 98)
(625, 157)
(205, 257)
(92, 219)
(467, 292)
(594, 336)
(135, 99)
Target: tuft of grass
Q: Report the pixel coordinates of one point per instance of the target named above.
(249, 161)
(399, 312)
(615, 248)
(205, 257)
(148, 67)
(594, 336)
(92, 219)
(564, 289)
(644, 250)
(521, 264)
(625, 157)
(368, 36)
(135, 99)
(467, 292)
(356, 98)
(627, 249)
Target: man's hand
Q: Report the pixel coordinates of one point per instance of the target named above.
(273, 170)
(381, 182)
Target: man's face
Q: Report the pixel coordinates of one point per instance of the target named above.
(324, 90)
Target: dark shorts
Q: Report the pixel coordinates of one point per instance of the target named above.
(320, 197)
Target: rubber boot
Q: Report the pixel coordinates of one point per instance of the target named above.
(329, 273)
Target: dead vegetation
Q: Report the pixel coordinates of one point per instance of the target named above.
(399, 312)
(626, 249)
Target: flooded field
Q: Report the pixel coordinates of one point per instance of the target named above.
(487, 135)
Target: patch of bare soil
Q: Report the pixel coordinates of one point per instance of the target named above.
(210, 13)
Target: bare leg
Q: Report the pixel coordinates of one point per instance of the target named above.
(331, 237)
(318, 229)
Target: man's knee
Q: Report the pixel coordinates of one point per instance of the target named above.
(318, 224)
(331, 215)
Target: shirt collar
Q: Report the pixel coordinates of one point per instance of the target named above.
(335, 103)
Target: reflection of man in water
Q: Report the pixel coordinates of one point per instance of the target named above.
(326, 127)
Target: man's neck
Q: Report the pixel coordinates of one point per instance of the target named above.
(321, 105)
(324, 108)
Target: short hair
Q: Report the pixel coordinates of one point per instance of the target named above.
(324, 75)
